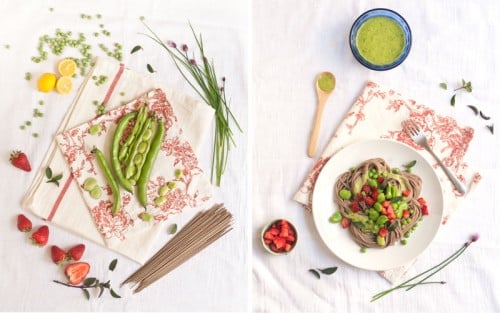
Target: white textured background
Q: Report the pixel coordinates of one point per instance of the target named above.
(214, 280)
(295, 40)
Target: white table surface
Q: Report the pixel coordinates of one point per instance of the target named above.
(214, 280)
(295, 40)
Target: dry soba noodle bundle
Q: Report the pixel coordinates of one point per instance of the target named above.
(377, 204)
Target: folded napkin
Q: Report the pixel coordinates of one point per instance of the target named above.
(68, 206)
(379, 113)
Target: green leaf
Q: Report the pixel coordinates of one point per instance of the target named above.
(491, 128)
(150, 68)
(112, 265)
(474, 109)
(172, 229)
(411, 164)
(396, 199)
(114, 294)
(328, 270)
(452, 101)
(89, 281)
(483, 116)
(392, 226)
(315, 273)
(100, 291)
(48, 172)
(135, 49)
(443, 86)
(86, 293)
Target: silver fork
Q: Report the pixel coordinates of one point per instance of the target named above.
(416, 134)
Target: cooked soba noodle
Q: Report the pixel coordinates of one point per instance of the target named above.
(362, 233)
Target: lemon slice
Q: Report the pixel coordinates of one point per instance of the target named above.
(46, 82)
(67, 67)
(64, 85)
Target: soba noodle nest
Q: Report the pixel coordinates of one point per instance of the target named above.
(366, 235)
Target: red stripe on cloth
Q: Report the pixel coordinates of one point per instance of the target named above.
(113, 83)
(60, 197)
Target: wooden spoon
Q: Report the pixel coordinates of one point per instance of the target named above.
(325, 84)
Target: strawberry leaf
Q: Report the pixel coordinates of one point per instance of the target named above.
(86, 293)
(100, 291)
(48, 172)
(89, 281)
(114, 294)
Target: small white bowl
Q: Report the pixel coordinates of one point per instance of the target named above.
(268, 246)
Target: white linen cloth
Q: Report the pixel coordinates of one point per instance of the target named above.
(65, 205)
(380, 113)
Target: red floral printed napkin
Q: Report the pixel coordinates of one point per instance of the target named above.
(379, 113)
(68, 207)
(189, 189)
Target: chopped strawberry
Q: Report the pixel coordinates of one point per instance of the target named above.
(76, 272)
(366, 189)
(23, 223)
(386, 203)
(425, 210)
(20, 160)
(382, 232)
(406, 193)
(41, 236)
(380, 180)
(375, 194)
(58, 255)
(406, 213)
(369, 201)
(280, 236)
(355, 206)
(345, 222)
(421, 201)
(76, 252)
(360, 197)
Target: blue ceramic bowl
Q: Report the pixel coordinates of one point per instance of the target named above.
(380, 12)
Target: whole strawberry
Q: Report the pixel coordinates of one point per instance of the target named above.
(20, 160)
(41, 236)
(76, 252)
(23, 223)
(58, 255)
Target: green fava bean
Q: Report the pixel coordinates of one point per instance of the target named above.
(163, 190)
(133, 150)
(345, 194)
(96, 192)
(160, 200)
(89, 183)
(335, 218)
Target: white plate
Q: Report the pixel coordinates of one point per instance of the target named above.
(339, 240)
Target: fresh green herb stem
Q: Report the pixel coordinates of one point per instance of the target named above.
(204, 81)
(410, 284)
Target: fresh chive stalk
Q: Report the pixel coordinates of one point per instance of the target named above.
(202, 78)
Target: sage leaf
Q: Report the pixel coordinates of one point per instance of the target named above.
(112, 265)
(86, 293)
(490, 127)
(443, 86)
(135, 49)
(315, 273)
(114, 294)
(89, 281)
(328, 270)
(474, 109)
(48, 172)
(396, 199)
(483, 116)
(452, 101)
(150, 68)
(172, 229)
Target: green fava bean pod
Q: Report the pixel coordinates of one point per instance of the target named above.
(115, 162)
(139, 122)
(142, 183)
(141, 160)
(111, 180)
(129, 164)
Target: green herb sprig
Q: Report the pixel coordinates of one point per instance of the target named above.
(410, 283)
(52, 179)
(202, 78)
(327, 271)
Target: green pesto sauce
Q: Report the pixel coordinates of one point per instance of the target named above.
(326, 82)
(380, 40)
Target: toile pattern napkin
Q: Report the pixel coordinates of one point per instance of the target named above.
(379, 113)
(65, 205)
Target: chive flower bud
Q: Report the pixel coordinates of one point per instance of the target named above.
(171, 44)
(184, 47)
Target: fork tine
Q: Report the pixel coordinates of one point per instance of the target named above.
(410, 128)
